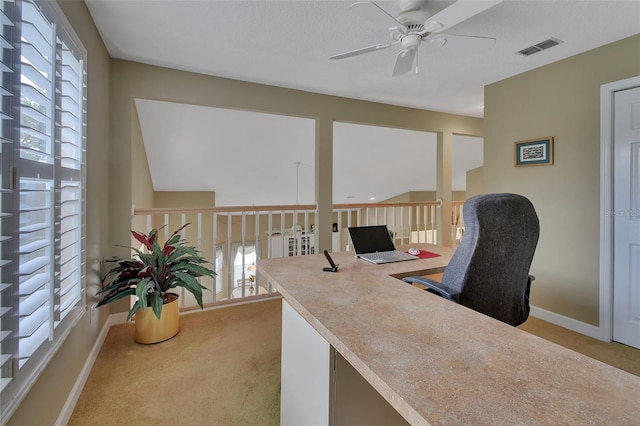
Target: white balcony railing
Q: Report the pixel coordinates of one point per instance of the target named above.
(457, 222)
(233, 238)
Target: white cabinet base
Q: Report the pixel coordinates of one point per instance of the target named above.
(305, 372)
(319, 392)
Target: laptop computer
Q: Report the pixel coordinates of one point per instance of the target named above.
(374, 244)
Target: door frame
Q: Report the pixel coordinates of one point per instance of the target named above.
(607, 92)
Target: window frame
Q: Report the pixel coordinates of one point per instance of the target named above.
(62, 319)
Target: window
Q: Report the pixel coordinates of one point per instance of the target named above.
(244, 262)
(42, 178)
(219, 262)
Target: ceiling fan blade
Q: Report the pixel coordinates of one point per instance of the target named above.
(456, 13)
(356, 52)
(378, 15)
(404, 61)
(460, 43)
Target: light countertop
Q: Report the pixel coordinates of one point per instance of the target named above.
(437, 362)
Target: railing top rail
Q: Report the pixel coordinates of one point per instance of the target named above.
(233, 209)
(379, 205)
(279, 207)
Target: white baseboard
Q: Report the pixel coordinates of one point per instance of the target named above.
(72, 399)
(569, 323)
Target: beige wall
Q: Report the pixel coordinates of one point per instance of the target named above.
(417, 196)
(413, 196)
(143, 194)
(133, 80)
(143, 185)
(459, 195)
(560, 100)
(475, 182)
(44, 402)
(183, 199)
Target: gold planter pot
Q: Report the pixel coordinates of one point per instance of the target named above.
(150, 329)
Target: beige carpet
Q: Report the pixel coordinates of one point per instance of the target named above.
(223, 368)
(618, 355)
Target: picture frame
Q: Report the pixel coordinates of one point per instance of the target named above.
(534, 152)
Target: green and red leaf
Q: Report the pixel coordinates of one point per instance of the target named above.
(142, 239)
(153, 235)
(153, 270)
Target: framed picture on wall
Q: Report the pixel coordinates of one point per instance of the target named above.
(534, 152)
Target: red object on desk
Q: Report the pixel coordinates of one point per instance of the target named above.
(424, 254)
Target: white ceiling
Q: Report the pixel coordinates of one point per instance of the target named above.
(288, 44)
(271, 161)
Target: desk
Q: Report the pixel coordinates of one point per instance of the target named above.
(431, 361)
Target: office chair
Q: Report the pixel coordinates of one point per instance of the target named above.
(489, 271)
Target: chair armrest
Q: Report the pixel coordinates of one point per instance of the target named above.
(434, 287)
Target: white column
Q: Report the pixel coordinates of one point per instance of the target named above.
(444, 176)
(324, 183)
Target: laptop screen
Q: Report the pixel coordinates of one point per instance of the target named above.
(371, 239)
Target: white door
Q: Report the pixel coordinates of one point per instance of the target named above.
(626, 221)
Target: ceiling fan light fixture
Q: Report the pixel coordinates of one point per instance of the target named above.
(411, 41)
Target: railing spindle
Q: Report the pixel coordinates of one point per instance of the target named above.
(214, 238)
(229, 262)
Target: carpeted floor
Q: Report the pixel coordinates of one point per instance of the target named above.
(223, 368)
(616, 354)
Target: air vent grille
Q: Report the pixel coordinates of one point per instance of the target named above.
(543, 45)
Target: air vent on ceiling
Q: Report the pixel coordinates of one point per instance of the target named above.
(528, 51)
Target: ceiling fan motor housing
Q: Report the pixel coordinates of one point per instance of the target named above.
(413, 16)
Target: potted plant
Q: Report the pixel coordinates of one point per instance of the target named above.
(149, 275)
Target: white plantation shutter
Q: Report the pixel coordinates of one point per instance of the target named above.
(71, 142)
(43, 191)
(7, 308)
(36, 184)
(36, 265)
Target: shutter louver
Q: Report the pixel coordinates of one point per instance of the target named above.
(71, 157)
(36, 264)
(6, 322)
(36, 182)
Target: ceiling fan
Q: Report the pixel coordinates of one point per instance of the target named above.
(413, 26)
